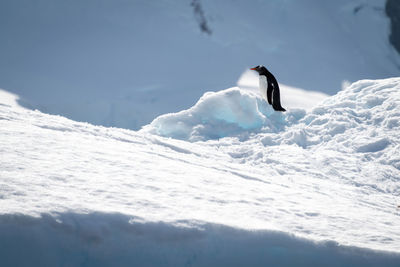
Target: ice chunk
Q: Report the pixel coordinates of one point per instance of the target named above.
(230, 112)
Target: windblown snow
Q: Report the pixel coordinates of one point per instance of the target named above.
(244, 185)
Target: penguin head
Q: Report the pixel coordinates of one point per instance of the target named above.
(260, 69)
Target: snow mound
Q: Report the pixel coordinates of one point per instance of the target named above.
(230, 112)
(9, 99)
(363, 117)
(77, 194)
(355, 130)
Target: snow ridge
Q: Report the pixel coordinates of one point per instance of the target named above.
(330, 175)
(106, 239)
(230, 112)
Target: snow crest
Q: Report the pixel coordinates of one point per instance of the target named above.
(230, 112)
(363, 117)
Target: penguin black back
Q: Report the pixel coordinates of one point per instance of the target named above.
(273, 93)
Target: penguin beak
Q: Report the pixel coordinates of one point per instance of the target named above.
(253, 68)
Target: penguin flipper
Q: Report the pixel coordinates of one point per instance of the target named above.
(276, 105)
(269, 93)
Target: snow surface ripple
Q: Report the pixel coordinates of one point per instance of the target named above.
(328, 174)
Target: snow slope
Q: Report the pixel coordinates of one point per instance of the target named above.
(306, 188)
(122, 63)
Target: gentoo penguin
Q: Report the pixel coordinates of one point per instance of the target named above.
(269, 87)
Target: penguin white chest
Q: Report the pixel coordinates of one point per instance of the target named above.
(263, 84)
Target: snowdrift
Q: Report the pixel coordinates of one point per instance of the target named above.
(365, 108)
(231, 112)
(252, 187)
(118, 240)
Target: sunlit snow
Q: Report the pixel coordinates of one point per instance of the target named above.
(263, 180)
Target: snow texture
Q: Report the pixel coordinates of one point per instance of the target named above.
(317, 187)
(216, 115)
(106, 239)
